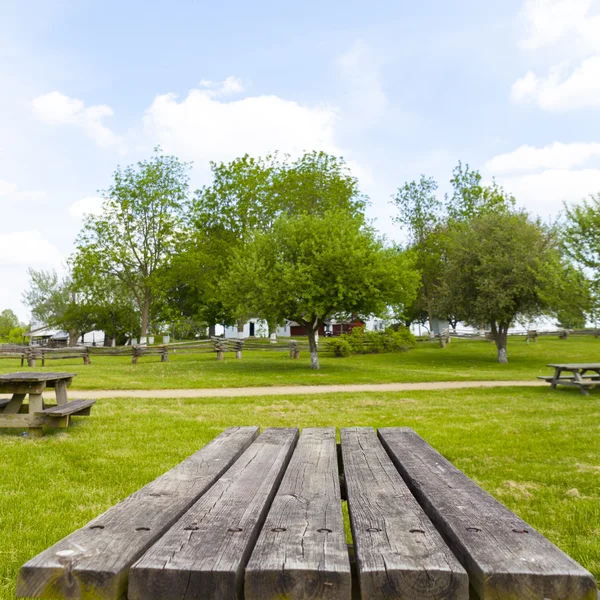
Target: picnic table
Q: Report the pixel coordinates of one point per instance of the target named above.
(582, 375)
(15, 413)
(260, 517)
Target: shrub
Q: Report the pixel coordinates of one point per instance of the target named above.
(360, 341)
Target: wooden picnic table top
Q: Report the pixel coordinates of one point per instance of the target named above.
(26, 377)
(575, 366)
(259, 517)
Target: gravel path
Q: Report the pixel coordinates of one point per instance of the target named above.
(296, 390)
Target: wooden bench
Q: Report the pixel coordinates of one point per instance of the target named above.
(74, 407)
(260, 517)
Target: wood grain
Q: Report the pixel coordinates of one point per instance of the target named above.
(504, 556)
(302, 552)
(204, 554)
(400, 554)
(93, 562)
(70, 408)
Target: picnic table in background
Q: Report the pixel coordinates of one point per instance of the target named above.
(582, 375)
(15, 413)
(260, 517)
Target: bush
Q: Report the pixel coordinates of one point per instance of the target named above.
(360, 341)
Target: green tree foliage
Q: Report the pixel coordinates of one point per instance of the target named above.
(574, 298)
(246, 196)
(135, 236)
(471, 198)
(309, 267)
(240, 199)
(498, 266)
(420, 213)
(54, 302)
(11, 331)
(360, 341)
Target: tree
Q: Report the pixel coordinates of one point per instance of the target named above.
(11, 331)
(309, 267)
(134, 237)
(471, 198)
(581, 234)
(317, 183)
(420, 212)
(499, 266)
(54, 302)
(575, 300)
(246, 196)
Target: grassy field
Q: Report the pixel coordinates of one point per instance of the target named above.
(536, 450)
(460, 360)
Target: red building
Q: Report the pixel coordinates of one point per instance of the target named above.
(330, 328)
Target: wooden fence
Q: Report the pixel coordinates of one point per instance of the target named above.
(32, 355)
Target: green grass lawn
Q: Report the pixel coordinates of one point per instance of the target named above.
(460, 360)
(536, 450)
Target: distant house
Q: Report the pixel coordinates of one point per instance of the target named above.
(256, 327)
(47, 337)
(329, 328)
(44, 336)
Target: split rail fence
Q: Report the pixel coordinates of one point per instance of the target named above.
(33, 356)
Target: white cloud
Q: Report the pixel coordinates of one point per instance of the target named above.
(34, 249)
(10, 192)
(561, 90)
(544, 193)
(91, 205)
(231, 85)
(203, 127)
(7, 188)
(572, 27)
(55, 109)
(361, 69)
(554, 156)
(548, 21)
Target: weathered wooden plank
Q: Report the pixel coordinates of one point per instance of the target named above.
(93, 562)
(301, 552)
(35, 376)
(7, 387)
(204, 554)
(14, 405)
(70, 408)
(504, 556)
(399, 552)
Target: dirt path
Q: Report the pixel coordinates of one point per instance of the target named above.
(297, 390)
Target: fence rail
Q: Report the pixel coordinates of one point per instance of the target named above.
(219, 346)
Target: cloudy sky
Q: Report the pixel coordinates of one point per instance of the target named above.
(398, 88)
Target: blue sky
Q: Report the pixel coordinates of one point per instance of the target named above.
(398, 88)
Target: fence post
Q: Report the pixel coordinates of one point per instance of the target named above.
(238, 348)
(134, 355)
(86, 357)
(219, 348)
(30, 357)
(164, 355)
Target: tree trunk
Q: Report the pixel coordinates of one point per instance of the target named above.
(500, 335)
(212, 330)
(430, 317)
(145, 315)
(313, 329)
(73, 337)
(240, 328)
